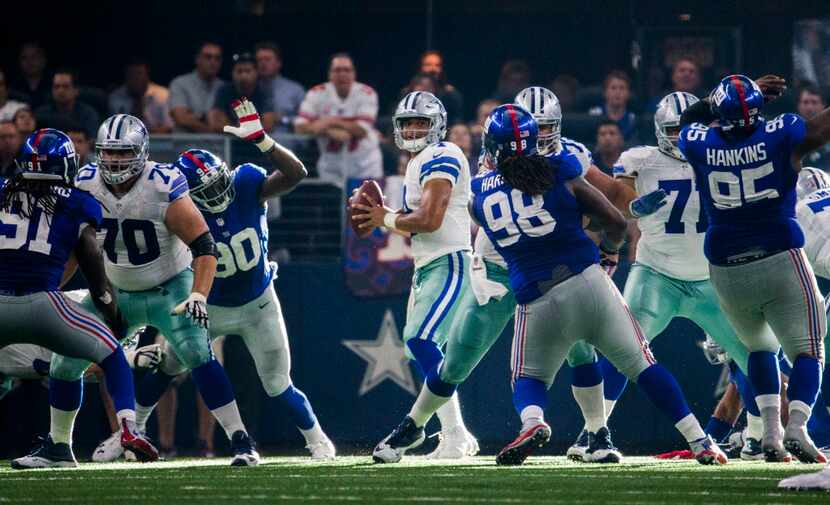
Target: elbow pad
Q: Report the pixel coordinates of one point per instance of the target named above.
(204, 246)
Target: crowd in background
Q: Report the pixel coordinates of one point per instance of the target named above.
(350, 123)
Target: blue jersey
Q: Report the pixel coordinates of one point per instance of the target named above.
(34, 251)
(540, 237)
(747, 187)
(241, 235)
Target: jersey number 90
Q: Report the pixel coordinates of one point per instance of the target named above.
(236, 256)
(516, 217)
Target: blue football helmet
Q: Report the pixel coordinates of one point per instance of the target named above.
(737, 101)
(210, 182)
(510, 130)
(47, 155)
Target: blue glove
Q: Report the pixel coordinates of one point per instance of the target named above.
(648, 203)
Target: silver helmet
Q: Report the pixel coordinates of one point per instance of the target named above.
(122, 132)
(420, 104)
(668, 114)
(545, 108)
(810, 180)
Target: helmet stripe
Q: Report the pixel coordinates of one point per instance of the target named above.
(121, 121)
(196, 161)
(534, 101)
(677, 102)
(516, 133)
(35, 143)
(742, 97)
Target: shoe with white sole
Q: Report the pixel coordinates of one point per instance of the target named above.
(816, 480)
(601, 449)
(578, 451)
(47, 455)
(109, 450)
(244, 450)
(517, 451)
(322, 450)
(455, 443)
(404, 437)
(707, 452)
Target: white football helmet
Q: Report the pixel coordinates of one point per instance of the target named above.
(811, 179)
(122, 132)
(668, 114)
(546, 110)
(420, 104)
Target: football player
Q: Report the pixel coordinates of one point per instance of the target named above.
(532, 209)
(746, 168)
(670, 277)
(151, 235)
(243, 300)
(49, 229)
(593, 443)
(436, 191)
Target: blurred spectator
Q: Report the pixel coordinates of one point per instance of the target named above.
(245, 83)
(33, 83)
(609, 145)
(65, 104)
(24, 121)
(285, 95)
(810, 103)
(460, 135)
(616, 93)
(10, 142)
(192, 94)
(341, 113)
(565, 87)
(514, 77)
(685, 76)
(142, 98)
(419, 82)
(811, 55)
(432, 63)
(7, 107)
(83, 143)
(484, 109)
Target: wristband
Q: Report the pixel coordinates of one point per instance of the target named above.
(266, 144)
(389, 220)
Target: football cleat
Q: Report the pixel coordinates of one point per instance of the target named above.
(816, 480)
(707, 452)
(404, 437)
(601, 449)
(517, 451)
(47, 455)
(774, 451)
(322, 449)
(800, 445)
(455, 443)
(752, 450)
(577, 451)
(109, 450)
(244, 450)
(135, 442)
(681, 454)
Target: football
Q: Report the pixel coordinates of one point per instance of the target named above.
(367, 188)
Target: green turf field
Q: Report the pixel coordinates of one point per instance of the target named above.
(356, 480)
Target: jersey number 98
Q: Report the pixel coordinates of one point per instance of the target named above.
(516, 217)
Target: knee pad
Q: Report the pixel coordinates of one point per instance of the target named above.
(192, 352)
(171, 364)
(274, 372)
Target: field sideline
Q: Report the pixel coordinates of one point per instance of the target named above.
(355, 480)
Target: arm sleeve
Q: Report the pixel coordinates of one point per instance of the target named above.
(248, 180)
(91, 211)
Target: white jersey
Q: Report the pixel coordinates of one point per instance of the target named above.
(443, 160)
(139, 251)
(580, 151)
(814, 217)
(672, 238)
(339, 161)
(24, 361)
(484, 247)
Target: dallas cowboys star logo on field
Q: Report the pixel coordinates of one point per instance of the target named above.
(385, 358)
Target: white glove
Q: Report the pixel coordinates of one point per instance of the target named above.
(250, 125)
(195, 308)
(148, 357)
(484, 288)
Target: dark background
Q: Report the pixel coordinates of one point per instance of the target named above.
(585, 38)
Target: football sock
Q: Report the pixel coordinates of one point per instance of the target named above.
(531, 416)
(449, 414)
(717, 429)
(770, 407)
(745, 389)
(799, 413)
(805, 380)
(437, 385)
(592, 405)
(426, 405)
(763, 373)
(754, 427)
(150, 388)
(228, 417)
(527, 392)
(142, 415)
(690, 428)
(609, 407)
(65, 399)
(313, 434)
(216, 391)
(298, 407)
(614, 382)
(119, 380)
(426, 352)
(662, 389)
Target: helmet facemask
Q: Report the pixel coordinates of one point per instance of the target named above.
(121, 170)
(215, 191)
(426, 137)
(548, 142)
(668, 135)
